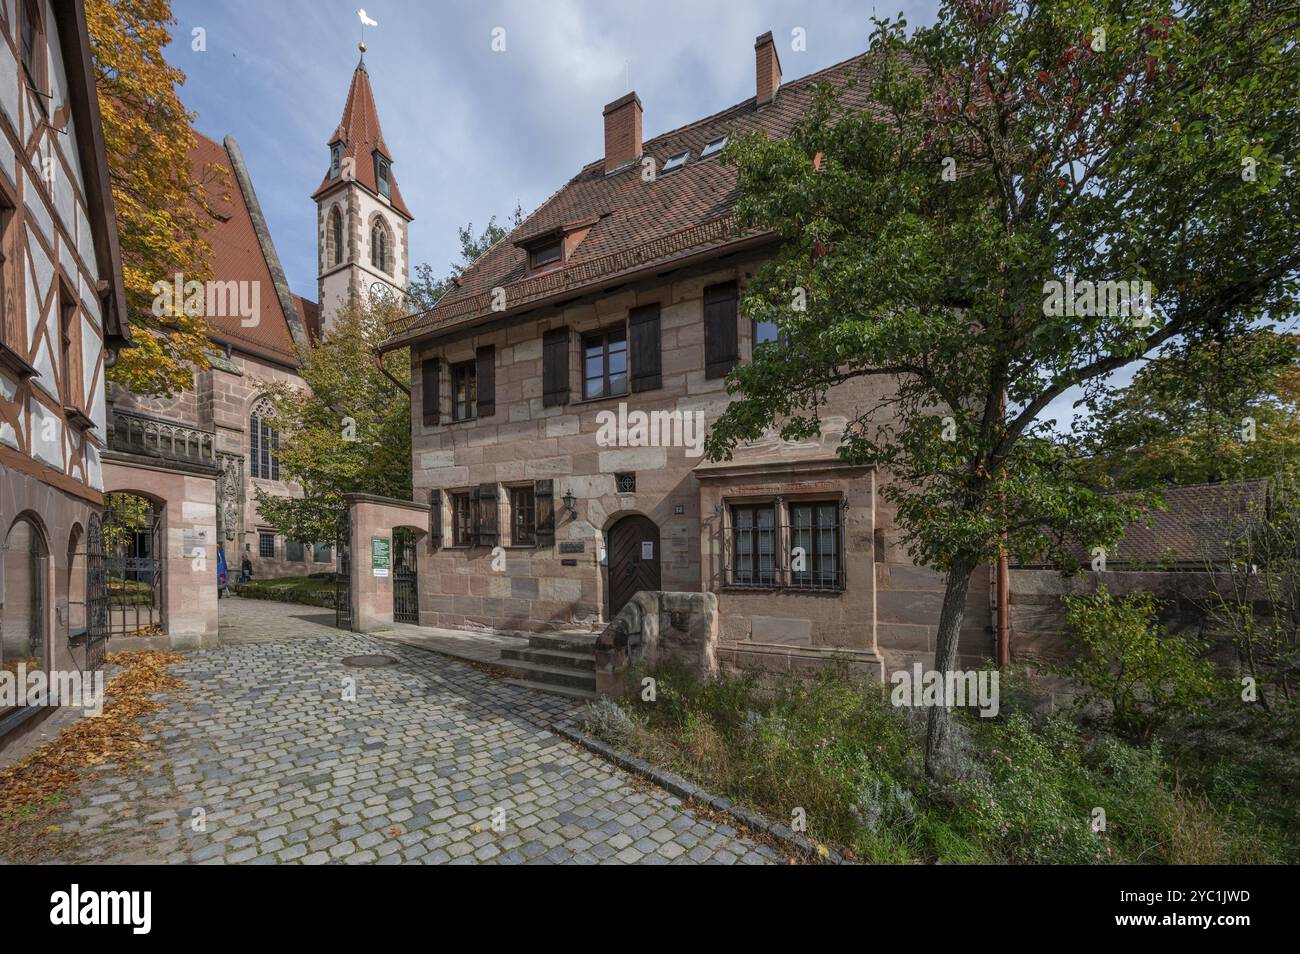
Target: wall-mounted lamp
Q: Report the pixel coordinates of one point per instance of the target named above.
(569, 504)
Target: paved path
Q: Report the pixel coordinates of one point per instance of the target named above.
(268, 760)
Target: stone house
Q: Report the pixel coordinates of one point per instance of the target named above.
(63, 319)
(561, 392)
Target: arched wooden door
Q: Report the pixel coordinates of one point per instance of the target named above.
(633, 548)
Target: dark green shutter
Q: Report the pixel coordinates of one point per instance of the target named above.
(486, 375)
(544, 502)
(429, 385)
(721, 350)
(435, 519)
(555, 367)
(643, 328)
(485, 511)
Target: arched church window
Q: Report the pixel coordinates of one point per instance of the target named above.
(336, 236)
(263, 442)
(380, 253)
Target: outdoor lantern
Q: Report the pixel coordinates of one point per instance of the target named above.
(569, 501)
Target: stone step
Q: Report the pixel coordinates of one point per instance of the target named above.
(570, 642)
(567, 692)
(551, 675)
(552, 657)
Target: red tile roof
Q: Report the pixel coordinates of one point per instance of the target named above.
(238, 256)
(1191, 530)
(361, 136)
(682, 213)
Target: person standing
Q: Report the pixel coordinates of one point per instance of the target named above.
(222, 575)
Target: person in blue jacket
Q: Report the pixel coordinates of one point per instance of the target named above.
(223, 577)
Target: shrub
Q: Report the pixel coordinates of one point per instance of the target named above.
(606, 720)
(1130, 664)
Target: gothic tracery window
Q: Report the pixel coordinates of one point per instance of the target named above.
(381, 253)
(263, 443)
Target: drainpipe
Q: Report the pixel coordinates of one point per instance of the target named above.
(1004, 611)
(1004, 579)
(379, 363)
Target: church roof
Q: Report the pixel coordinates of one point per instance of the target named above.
(239, 253)
(361, 136)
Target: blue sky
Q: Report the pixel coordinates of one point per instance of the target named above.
(473, 131)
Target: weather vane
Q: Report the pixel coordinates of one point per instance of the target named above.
(365, 22)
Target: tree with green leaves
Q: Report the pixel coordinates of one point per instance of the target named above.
(424, 290)
(1202, 412)
(951, 245)
(348, 432)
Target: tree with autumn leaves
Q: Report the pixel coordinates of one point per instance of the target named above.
(162, 202)
(1143, 141)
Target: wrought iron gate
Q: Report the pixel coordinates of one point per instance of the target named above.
(406, 595)
(133, 565)
(343, 574)
(96, 597)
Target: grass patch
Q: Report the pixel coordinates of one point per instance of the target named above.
(314, 590)
(1031, 789)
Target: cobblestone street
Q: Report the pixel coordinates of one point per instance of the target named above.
(270, 760)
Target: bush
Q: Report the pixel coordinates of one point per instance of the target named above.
(1130, 664)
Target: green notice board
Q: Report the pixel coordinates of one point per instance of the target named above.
(379, 551)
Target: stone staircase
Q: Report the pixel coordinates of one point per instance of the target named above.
(560, 663)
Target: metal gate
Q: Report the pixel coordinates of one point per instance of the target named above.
(406, 598)
(133, 565)
(343, 573)
(96, 597)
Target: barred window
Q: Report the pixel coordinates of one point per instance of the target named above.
(293, 551)
(266, 544)
(462, 520)
(797, 545)
(753, 534)
(815, 546)
(523, 516)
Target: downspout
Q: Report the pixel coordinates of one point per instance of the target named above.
(379, 363)
(1004, 579)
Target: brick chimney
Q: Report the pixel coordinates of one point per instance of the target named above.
(622, 132)
(767, 67)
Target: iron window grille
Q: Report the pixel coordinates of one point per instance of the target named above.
(462, 520)
(778, 544)
(464, 391)
(625, 483)
(293, 551)
(523, 516)
(266, 544)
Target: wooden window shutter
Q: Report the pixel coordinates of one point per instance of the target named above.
(429, 386)
(643, 327)
(555, 367)
(544, 507)
(721, 350)
(486, 374)
(435, 519)
(485, 507)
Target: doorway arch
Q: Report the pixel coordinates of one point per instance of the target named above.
(25, 628)
(632, 549)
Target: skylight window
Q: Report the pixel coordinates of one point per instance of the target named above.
(714, 147)
(677, 161)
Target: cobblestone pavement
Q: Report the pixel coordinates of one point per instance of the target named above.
(270, 762)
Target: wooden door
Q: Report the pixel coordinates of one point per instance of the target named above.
(633, 549)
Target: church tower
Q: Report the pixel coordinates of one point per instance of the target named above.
(361, 220)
